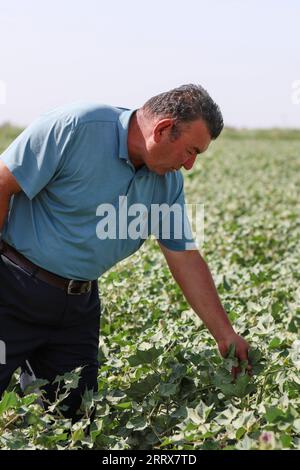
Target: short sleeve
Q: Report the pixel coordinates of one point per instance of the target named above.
(174, 230)
(35, 154)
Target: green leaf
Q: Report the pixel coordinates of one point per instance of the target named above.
(137, 423)
(226, 284)
(9, 400)
(139, 390)
(274, 414)
(286, 440)
(77, 435)
(240, 432)
(275, 343)
(146, 353)
(167, 389)
(124, 406)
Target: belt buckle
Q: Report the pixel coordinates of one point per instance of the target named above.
(84, 287)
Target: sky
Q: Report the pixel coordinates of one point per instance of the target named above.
(246, 53)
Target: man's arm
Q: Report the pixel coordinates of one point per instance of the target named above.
(8, 186)
(195, 280)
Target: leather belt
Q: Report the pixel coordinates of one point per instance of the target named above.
(70, 286)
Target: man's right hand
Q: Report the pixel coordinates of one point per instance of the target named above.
(8, 186)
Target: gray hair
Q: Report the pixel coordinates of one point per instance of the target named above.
(185, 104)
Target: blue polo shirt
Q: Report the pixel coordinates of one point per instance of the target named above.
(81, 193)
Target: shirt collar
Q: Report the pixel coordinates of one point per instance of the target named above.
(123, 125)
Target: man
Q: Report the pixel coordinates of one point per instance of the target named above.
(53, 179)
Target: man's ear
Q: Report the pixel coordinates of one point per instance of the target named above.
(162, 128)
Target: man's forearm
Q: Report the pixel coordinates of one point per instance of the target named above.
(196, 282)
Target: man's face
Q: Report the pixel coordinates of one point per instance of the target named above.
(164, 153)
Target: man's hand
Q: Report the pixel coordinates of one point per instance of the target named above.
(8, 186)
(241, 350)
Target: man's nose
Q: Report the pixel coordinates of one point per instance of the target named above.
(188, 164)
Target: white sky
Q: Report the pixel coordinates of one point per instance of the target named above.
(246, 53)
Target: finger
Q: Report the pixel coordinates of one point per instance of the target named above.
(242, 353)
(243, 356)
(223, 350)
(235, 371)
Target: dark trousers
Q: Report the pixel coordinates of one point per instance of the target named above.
(54, 331)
